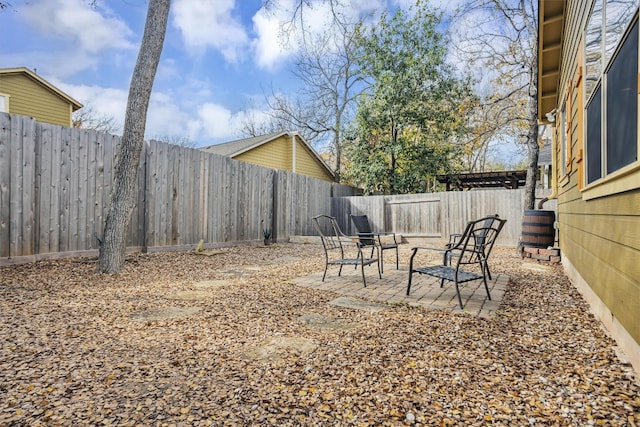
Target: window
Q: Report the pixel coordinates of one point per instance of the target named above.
(611, 90)
(622, 115)
(594, 146)
(4, 103)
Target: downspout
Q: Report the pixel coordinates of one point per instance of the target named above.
(554, 161)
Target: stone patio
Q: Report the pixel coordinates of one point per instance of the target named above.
(425, 290)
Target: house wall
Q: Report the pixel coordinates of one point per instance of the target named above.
(307, 164)
(275, 154)
(599, 234)
(278, 154)
(30, 98)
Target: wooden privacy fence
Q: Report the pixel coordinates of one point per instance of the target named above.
(437, 215)
(55, 184)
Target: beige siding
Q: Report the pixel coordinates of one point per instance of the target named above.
(599, 237)
(275, 154)
(278, 154)
(30, 98)
(307, 163)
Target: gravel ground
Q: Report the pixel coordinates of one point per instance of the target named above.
(182, 339)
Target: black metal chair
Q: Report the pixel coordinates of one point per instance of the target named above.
(334, 242)
(455, 237)
(368, 238)
(472, 248)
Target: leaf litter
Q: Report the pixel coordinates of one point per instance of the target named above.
(77, 349)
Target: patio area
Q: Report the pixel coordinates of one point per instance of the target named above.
(425, 291)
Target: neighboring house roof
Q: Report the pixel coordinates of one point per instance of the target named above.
(235, 148)
(75, 105)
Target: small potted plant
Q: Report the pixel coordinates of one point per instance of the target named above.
(266, 233)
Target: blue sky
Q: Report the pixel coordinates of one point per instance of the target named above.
(219, 57)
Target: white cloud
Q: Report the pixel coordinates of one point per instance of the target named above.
(206, 23)
(104, 101)
(269, 46)
(216, 122)
(278, 34)
(90, 30)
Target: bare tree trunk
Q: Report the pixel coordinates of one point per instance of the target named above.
(113, 245)
(532, 138)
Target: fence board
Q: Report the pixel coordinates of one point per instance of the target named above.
(28, 185)
(5, 183)
(90, 189)
(15, 204)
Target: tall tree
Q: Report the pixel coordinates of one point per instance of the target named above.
(113, 244)
(416, 105)
(329, 80)
(501, 37)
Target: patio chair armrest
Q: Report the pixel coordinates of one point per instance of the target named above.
(454, 239)
(428, 248)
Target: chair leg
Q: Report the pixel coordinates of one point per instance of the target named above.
(364, 281)
(380, 258)
(397, 262)
(326, 266)
(488, 273)
(442, 282)
(410, 272)
(459, 297)
(340, 270)
(484, 279)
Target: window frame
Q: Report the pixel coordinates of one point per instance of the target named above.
(6, 98)
(624, 178)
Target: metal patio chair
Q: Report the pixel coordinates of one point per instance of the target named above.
(336, 244)
(455, 237)
(368, 238)
(472, 248)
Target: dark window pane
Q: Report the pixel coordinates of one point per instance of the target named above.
(594, 146)
(622, 105)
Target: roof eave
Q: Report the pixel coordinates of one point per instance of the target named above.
(551, 16)
(75, 105)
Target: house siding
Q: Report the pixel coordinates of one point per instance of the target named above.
(278, 154)
(307, 164)
(29, 98)
(600, 237)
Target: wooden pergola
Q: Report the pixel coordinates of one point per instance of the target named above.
(467, 181)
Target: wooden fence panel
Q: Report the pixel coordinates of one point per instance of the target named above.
(437, 214)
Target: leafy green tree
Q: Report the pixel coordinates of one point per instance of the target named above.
(407, 122)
